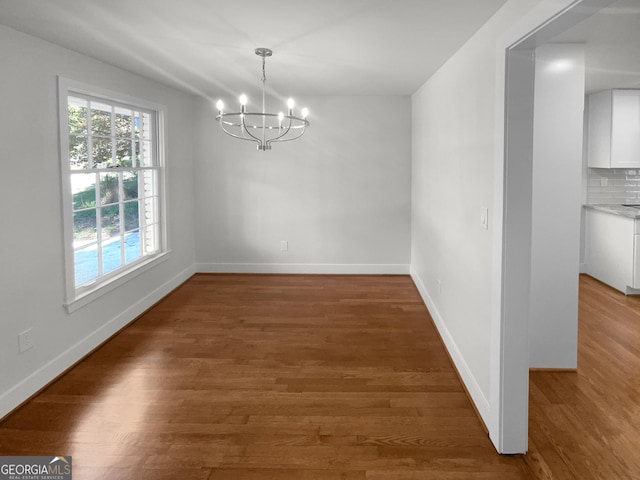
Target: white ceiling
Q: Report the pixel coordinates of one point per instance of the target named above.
(321, 47)
(612, 46)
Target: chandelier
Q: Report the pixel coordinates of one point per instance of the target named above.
(263, 128)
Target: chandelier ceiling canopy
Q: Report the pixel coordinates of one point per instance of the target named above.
(262, 128)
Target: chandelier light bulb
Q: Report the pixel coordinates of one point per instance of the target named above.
(220, 105)
(305, 112)
(290, 103)
(243, 99)
(280, 117)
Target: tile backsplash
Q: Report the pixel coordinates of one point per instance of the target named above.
(613, 186)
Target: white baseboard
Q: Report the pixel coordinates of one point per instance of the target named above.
(304, 268)
(477, 396)
(20, 392)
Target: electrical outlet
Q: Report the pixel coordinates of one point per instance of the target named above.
(284, 246)
(25, 340)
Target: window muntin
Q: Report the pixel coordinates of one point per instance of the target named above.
(113, 163)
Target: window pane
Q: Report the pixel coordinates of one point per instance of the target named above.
(136, 153)
(84, 227)
(100, 119)
(130, 185)
(142, 125)
(123, 153)
(77, 111)
(124, 123)
(132, 246)
(136, 125)
(76, 101)
(115, 217)
(109, 188)
(110, 217)
(83, 189)
(148, 183)
(150, 241)
(131, 216)
(101, 152)
(150, 209)
(78, 152)
(86, 264)
(144, 154)
(111, 257)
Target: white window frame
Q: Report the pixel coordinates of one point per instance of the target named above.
(77, 297)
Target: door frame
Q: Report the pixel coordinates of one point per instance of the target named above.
(511, 265)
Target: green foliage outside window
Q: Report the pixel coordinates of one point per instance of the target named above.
(107, 129)
(102, 138)
(84, 220)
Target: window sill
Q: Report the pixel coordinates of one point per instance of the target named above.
(103, 288)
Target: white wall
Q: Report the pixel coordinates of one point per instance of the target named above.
(340, 195)
(460, 143)
(454, 145)
(31, 282)
(557, 205)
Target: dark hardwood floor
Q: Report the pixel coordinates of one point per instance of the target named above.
(325, 377)
(585, 425)
(249, 377)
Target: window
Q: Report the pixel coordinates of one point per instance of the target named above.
(112, 178)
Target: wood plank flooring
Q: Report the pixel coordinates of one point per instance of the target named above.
(250, 377)
(585, 425)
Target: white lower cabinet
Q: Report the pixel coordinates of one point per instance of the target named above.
(612, 245)
(636, 262)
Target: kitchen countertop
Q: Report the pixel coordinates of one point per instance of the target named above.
(630, 212)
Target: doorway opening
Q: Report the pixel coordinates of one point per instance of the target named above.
(519, 240)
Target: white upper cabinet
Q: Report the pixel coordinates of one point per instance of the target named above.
(614, 129)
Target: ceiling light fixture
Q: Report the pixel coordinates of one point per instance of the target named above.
(267, 128)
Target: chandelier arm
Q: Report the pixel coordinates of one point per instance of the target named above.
(234, 135)
(302, 122)
(245, 130)
(230, 133)
(280, 135)
(278, 139)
